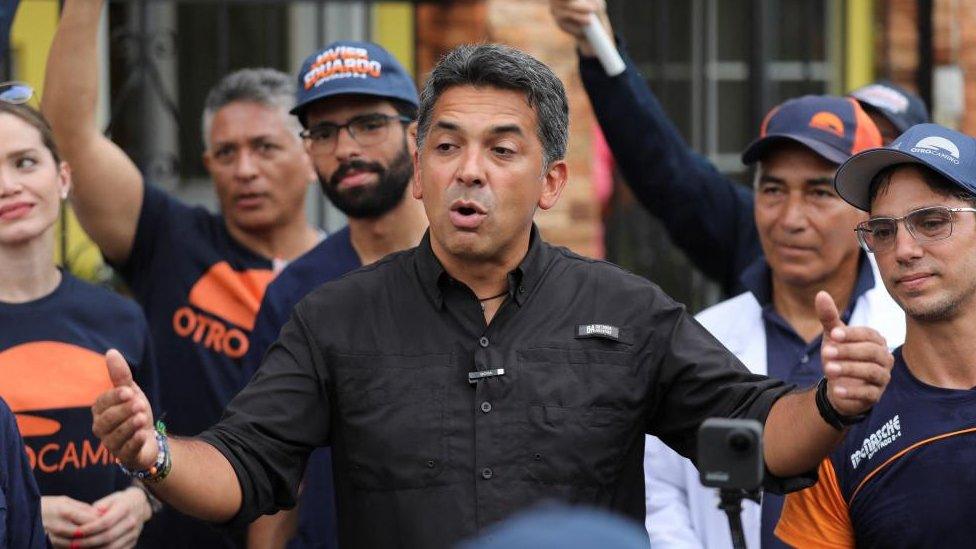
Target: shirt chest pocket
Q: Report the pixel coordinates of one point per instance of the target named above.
(391, 419)
(580, 413)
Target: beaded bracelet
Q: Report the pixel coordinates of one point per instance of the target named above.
(163, 464)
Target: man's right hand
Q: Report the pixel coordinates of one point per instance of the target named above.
(123, 419)
(573, 15)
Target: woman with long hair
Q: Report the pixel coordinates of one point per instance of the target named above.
(54, 331)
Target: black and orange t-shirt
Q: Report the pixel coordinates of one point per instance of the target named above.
(52, 368)
(902, 478)
(200, 291)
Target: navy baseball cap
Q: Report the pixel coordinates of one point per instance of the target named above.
(948, 152)
(351, 67)
(901, 107)
(832, 127)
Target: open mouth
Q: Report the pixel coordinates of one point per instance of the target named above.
(467, 215)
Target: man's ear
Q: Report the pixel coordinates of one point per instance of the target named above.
(207, 160)
(412, 137)
(416, 189)
(553, 183)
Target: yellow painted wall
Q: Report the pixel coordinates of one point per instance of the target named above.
(30, 41)
(859, 46)
(393, 28)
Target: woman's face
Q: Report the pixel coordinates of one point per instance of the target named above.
(32, 184)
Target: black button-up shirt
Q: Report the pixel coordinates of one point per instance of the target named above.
(377, 365)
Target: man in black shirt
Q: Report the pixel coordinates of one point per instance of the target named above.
(484, 370)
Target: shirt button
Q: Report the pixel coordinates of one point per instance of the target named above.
(804, 359)
(431, 464)
(521, 289)
(486, 473)
(486, 406)
(483, 341)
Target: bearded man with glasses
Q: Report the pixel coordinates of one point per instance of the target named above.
(903, 477)
(357, 105)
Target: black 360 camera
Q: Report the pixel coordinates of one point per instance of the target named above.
(730, 457)
(730, 453)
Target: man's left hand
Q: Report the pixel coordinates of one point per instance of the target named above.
(856, 361)
(122, 515)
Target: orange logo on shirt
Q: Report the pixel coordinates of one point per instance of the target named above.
(828, 122)
(51, 375)
(48, 375)
(226, 296)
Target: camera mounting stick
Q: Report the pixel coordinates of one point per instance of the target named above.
(731, 503)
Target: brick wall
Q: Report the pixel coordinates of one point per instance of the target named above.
(954, 37)
(526, 24)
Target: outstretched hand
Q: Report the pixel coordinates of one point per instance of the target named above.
(123, 419)
(856, 361)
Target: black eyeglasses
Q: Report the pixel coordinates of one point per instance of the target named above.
(16, 92)
(925, 225)
(367, 130)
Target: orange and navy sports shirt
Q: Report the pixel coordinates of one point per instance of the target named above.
(905, 477)
(52, 368)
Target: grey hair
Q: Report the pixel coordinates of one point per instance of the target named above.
(264, 86)
(503, 67)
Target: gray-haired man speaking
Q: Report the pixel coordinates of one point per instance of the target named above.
(483, 370)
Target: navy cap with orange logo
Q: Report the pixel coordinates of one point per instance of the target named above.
(832, 127)
(352, 67)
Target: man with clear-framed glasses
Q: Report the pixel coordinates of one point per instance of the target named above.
(904, 476)
(356, 103)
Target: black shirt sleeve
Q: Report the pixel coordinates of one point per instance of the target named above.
(697, 378)
(270, 428)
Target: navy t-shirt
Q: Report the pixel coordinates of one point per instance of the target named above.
(332, 258)
(20, 502)
(200, 290)
(52, 368)
(902, 478)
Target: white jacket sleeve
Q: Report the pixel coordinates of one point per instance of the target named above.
(669, 519)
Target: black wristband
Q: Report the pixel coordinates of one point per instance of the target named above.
(830, 414)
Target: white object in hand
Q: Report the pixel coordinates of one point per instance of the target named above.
(605, 51)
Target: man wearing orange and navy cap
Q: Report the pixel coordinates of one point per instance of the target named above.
(667, 177)
(904, 476)
(803, 227)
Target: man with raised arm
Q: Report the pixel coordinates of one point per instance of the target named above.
(198, 276)
(707, 214)
(773, 328)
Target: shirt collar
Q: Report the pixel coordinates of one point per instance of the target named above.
(522, 281)
(757, 279)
